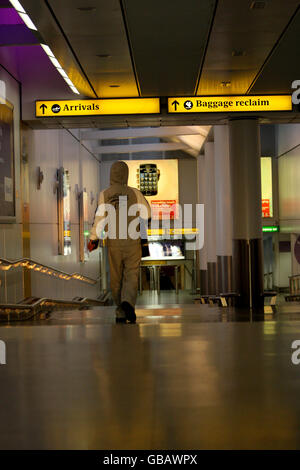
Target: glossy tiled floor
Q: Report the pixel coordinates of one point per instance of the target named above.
(181, 378)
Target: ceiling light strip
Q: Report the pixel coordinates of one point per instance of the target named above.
(29, 23)
(59, 68)
(17, 5)
(22, 13)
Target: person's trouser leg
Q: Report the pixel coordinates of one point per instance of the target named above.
(132, 254)
(116, 273)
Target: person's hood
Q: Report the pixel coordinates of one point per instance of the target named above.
(119, 173)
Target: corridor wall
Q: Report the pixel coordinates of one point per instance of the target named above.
(50, 150)
(288, 152)
(11, 282)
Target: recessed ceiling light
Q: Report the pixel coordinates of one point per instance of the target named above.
(257, 5)
(225, 84)
(238, 53)
(86, 8)
(114, 86)
(103, 56)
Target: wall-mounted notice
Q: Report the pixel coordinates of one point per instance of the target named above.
(8, 189)
(7, 180)
(158, 181)
(83, 226)
(64, 210)
(266, 187)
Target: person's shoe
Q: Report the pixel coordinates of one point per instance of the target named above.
(120, 315)
(129, 312)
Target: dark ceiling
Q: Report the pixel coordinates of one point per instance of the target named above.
(112, 48)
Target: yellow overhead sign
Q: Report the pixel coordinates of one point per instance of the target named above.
(215, 104)
(96, 107)
(172, 231)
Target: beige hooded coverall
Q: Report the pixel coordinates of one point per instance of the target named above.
(124, 254)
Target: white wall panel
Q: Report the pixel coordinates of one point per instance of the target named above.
(288, 142)
(43, 153)
(50, 150)
(11, 286)
(287, 137)
(187, 178)
(289, 177)
(70, 161)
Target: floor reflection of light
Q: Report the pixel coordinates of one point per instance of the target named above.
(150, 330)
(69, 332)
(170, 329)
(270, 328)
(155, 317)
(147, 330)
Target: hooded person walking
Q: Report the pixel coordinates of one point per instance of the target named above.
(121, 211)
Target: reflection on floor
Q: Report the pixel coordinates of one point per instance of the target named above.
(165, 297)
(193, 376)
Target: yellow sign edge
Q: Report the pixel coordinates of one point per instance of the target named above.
(97, 99)
(228, 96)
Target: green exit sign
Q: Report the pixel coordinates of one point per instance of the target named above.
(270, 228)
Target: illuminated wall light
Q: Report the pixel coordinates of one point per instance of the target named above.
(47, 50)
(69, 82)
(59, 68)
(74, 89)
(55, 62)
(62, 72)
(28, 21)
(270, 228)
(17, 5)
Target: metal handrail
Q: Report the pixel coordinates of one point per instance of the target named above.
(294, 284)
(10, 312)
(26, 311)
(27, 263)
(268, 280)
